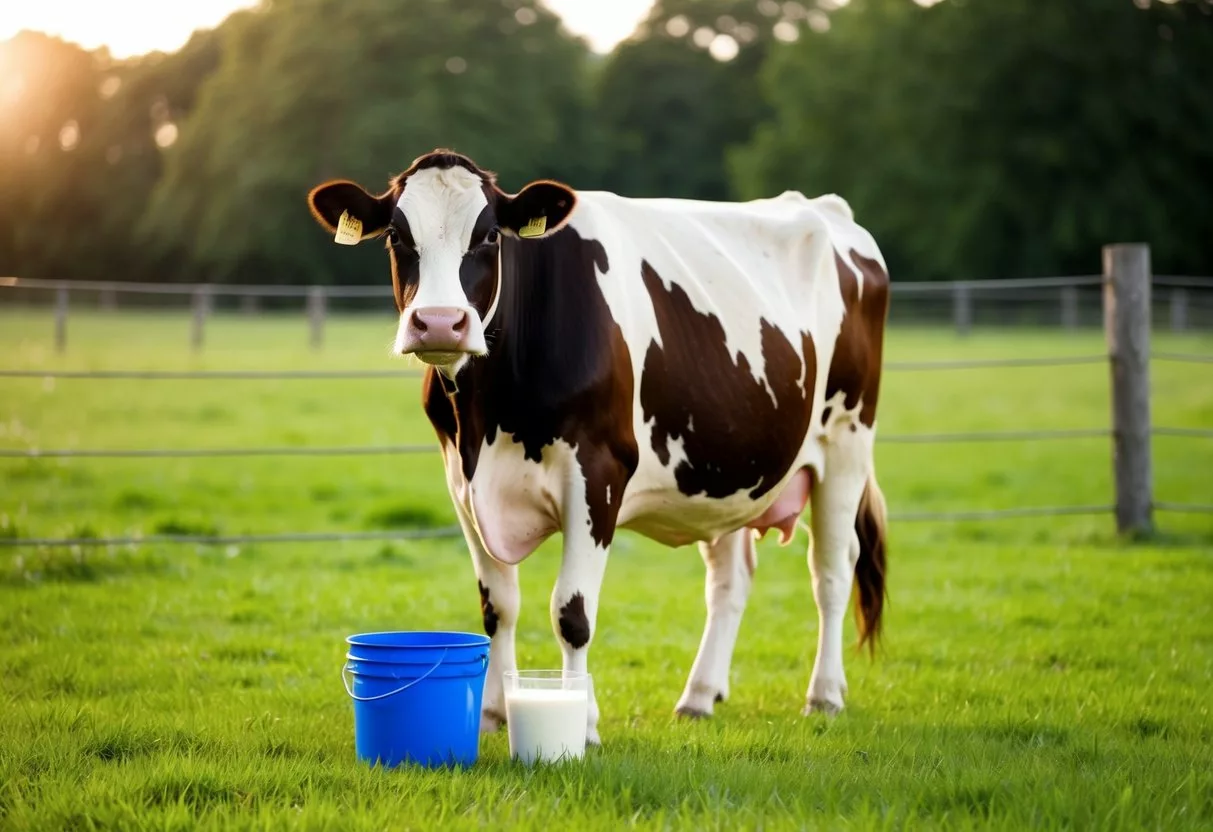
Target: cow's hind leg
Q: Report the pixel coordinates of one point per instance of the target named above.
(730, 572)
(847, 511)
(500, 600)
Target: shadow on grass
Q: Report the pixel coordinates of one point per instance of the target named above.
(177, 526)
(405, 517)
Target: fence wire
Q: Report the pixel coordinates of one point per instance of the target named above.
(1185, 508)
(997, 513)
(287, 375)
(968, 515)
(1186, 358)
(189, 453)
(232, 539)
(391, 450)
(1192, 433)
(211, 375)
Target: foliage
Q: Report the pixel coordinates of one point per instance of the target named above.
(79, 160)
(356, 90)
(671, 109)
(976, 139)
(1035, 675)
(1001, 139)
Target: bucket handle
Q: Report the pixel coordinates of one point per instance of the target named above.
(345, 680)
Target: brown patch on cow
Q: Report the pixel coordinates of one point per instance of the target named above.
(487, 612)
(574, 624)
(855, 367)
(558, 368)
(735, 435)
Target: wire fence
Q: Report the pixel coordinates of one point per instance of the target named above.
(312, 375)
(1069, 292)
(1181, 303)
(972, 437)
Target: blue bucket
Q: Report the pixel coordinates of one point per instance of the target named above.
(416, 696)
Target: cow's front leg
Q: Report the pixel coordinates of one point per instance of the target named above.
(589, 526)
(575, 608)
(499, 602)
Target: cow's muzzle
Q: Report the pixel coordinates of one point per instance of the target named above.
(438, 334)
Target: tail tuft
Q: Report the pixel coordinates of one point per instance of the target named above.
(871, 527)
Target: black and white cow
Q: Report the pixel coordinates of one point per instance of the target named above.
(694, 371)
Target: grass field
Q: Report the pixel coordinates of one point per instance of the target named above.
(1036, 673)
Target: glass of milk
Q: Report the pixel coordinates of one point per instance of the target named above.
(546, 713)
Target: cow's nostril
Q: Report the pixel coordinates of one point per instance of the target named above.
(419, 323)
(461, 323)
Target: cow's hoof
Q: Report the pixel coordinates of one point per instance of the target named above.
(698, 700)
(691, 712)
(822, 706)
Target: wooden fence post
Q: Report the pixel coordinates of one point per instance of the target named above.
(316, 307)
(1069, 307)
(201, 306)
(962, 307)
(61, 319)
(1179, 309)
(1126, 269)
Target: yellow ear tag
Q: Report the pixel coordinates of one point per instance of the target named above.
(534, 228)
(349, 230)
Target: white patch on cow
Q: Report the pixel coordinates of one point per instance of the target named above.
(441, 206)
(513, 501)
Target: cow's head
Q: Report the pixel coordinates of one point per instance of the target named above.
(443, 219)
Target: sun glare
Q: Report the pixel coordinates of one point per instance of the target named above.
(134, 27)
(126, 27)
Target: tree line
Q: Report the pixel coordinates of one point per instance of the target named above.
(975, 139)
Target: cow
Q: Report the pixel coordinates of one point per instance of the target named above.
(695, 371)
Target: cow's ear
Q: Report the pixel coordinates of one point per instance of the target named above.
(347, 211)
(539, 209)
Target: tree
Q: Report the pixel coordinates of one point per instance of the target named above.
(78, 153)
(674, 97)
(991, 139)
(315, 89)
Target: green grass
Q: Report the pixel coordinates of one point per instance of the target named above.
(1036, 673)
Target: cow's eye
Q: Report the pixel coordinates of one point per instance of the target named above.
(393, 236)
(491, 237)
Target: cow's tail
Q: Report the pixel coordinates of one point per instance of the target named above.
(871, 522)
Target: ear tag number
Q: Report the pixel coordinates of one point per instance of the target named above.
(534, 228)
(349, 230)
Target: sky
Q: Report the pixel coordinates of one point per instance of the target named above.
(133, 27)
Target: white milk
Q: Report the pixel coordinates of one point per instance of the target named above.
(546, 724)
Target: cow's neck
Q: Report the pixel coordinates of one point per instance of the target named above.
(553, 350)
